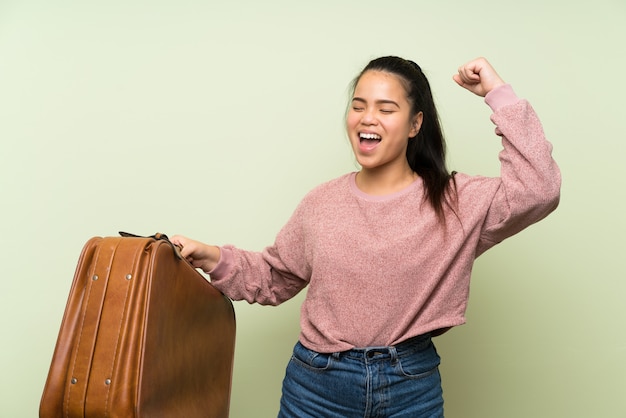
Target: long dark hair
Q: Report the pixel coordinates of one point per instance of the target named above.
(426, 153)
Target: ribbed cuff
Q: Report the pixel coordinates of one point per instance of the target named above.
(224, 264)
(501, 96)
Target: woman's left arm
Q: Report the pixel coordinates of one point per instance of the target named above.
(530, 179)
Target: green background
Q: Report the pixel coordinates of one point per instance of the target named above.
(213, 119)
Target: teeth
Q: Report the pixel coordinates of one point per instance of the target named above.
(369, 136)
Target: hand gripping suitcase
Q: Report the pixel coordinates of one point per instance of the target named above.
(144, 334)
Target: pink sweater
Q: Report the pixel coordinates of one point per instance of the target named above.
(381, 269)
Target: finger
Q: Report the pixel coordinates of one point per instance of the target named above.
(463, 77)
(182, 244)
(176, 239)
(470, 73)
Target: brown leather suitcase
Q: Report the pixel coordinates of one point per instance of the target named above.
(144, 334)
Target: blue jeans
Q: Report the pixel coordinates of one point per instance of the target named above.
(390, 382)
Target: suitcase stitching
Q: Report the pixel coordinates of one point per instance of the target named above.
(133, 269)
(80, 335)
(106, 278)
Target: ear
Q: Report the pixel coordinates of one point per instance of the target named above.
(416, 124)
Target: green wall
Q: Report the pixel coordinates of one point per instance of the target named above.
(214, 119)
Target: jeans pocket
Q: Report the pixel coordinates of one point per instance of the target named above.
(310, 359)
(418, 364)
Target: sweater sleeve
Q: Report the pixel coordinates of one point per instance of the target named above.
(268, 277)
(530, 180)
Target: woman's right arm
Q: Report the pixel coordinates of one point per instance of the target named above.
(269, 277)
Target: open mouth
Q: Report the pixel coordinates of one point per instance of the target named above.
(369, 140)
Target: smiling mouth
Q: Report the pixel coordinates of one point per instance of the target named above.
(369, 139)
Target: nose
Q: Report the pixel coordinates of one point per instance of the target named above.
(368, 118)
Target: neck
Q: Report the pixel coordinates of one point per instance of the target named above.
(379, 182)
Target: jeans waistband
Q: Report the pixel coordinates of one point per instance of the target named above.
(405, 347)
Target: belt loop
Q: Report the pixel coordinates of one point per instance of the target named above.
(394, 354)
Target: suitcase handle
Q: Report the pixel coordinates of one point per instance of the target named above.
(159, 237)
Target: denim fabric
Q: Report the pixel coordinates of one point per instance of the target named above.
(390, 382)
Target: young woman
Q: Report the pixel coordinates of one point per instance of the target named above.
(387, 252)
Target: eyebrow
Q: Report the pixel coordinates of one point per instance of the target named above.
(379, 102)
